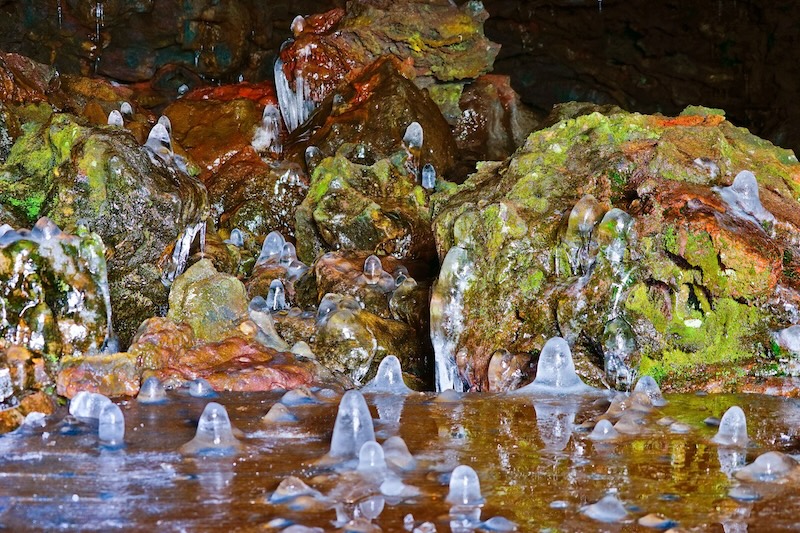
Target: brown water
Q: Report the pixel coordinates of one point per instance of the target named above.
(527, 454)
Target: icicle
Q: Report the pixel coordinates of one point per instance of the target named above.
(180, 254)
(296, 105)
(267, 137)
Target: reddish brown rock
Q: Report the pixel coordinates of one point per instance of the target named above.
(115, 375)
(23, 80)
(158, 339)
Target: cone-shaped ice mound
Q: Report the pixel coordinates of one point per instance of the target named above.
(770, 466)
(555, 372)
(371, 461)
(603, 431)
(465, 488)
(152, 391)
(200, 388)
(608, 509)
(396, 453)
(292, 488)
(353, 427)
(389, 378)
(214, 433)
(732, 428)
(111, 430)
(648, 386)
(88, 404)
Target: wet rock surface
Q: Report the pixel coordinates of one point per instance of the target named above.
(616, 218)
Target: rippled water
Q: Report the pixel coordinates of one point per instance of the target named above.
(536, 465)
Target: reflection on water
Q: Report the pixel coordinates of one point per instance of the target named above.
(535, 461)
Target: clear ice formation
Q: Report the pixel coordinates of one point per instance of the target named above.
(164, 121)
(276, 297)
(267, 137)
(555, 372)
(465, 488)
(288, 254)
(200, 388)
(372, 507)
(372, 270)
(88, 404)
(353, 427)
(159, 142)
(126, 109)
(614, 233)
(396, 454)
(236, 238)
(272, 248)
(214, 433)
(313, 156)
(742, 197)
(298, 396)
(580, 225)
(152, 391)
(447, 316)
(604, 430)
(292, 488)
(609, 509)
(260, 313)
(371, 461)
(115, 118)
(111, 428)
(732, 428)
(428, 177)
(183, 246)
(768, 467)
(499, 524)
(413, 136)
(789, 338)
(555, 422)
(648, 386)
(296, 104)
(619, 347)
(388, 379)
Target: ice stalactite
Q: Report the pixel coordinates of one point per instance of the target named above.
(295, 103)
(180, 254)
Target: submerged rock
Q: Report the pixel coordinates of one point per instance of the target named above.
(688, 283)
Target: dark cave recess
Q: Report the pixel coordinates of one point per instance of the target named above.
(641, 55)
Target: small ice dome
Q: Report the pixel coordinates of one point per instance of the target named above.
(680, 428)
(327, 306)
(397, 456)
(152, 391)
(604, 430)
(648, 386)
(272, 248)
(448, 396)
(372, 507)
(353, 426)
(555, 371)
(498, 523)
(465, 488)
(298, 396)
(200, 388)
(413, 135)
(236, 238)
(389, 378)
(159, 142)
(45, 229)
(609, 509)
(371, 459)
(732, 428)
(276, 297)
(742, 195)
(583, 217)
(126, 109)
(214, 433)
(115, 118)
(88, 404)
(288, 254)
(111, 428)
(428, 177)
(372, 270)
(743, 493)
(789, 338)
(278, 413)
(295, 270)
(164, 121)
(291, 488)
(770, 466)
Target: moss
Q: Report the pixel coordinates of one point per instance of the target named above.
(697, 110)
(532, 283)
(91, 165)
(31, 205)
(671, 240)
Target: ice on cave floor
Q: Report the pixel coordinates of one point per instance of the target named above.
(159, 143)
(126, 109)
(465, 487)
(272, 248)
(152, 392)
(388, 379)
(299, 396)
(428, 177)
(371, 462)
(276, 297)
(647, 385)
(352, 428)
(267, 137)
(604, 431)
(768, 467)
(111, 426)
(743, 199)
(115, 118)
(165, 121)
(555, 372)
(279, 414)
(214, 434)
(88, 404)
(200, 388)
(732, 428)
(608, 509)
(396, 454)
(292, 488)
